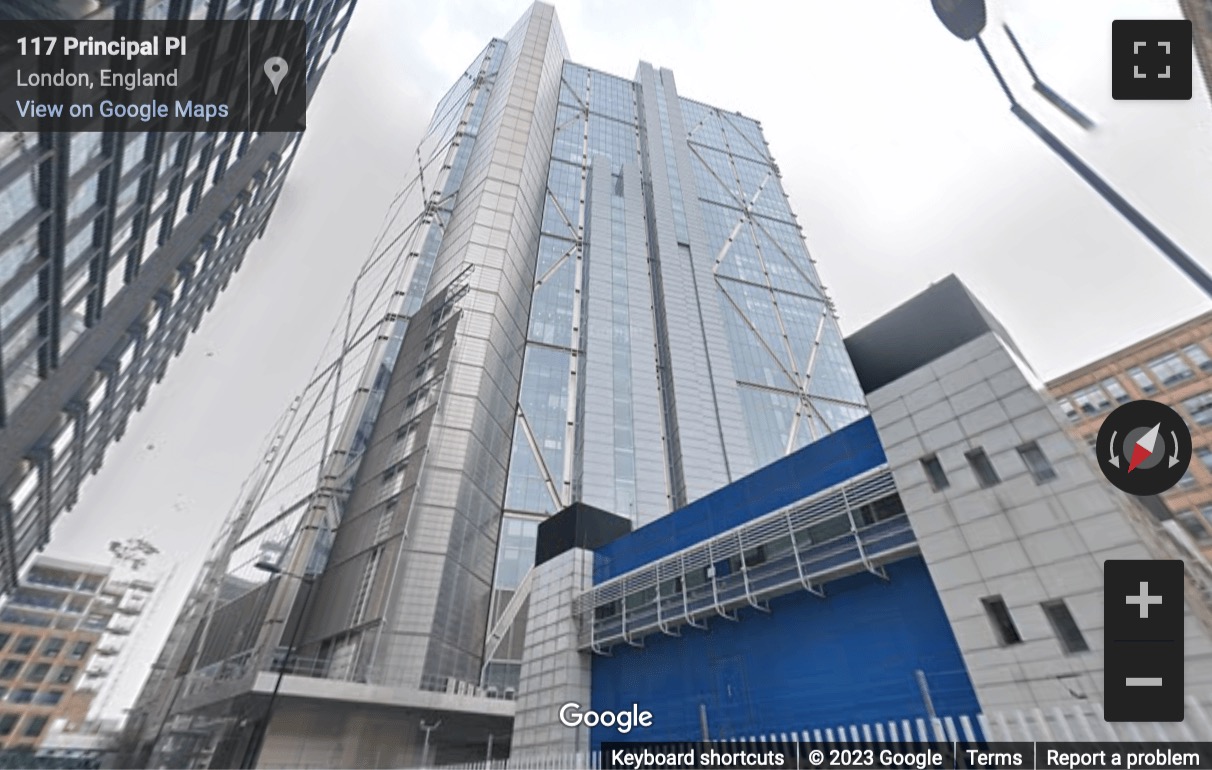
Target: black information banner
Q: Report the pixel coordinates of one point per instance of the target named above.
(919, 756)
(153, 75)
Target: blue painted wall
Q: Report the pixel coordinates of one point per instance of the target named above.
(820, 465)
(849, 658)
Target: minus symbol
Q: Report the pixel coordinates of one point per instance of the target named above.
(1143, 681)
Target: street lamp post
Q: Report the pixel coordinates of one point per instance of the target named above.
(428, 728)
(966, 20)
(273, 569)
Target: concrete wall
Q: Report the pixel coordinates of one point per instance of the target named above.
(1025, 541)
(316, 735)
(553, 671)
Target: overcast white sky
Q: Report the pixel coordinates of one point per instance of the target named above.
(897, 148)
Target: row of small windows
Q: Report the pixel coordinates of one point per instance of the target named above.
(986, 475)
(1168, 370)
(34, 725)
(36, 672)
(1059, 617)
(51, 647)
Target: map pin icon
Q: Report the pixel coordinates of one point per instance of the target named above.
(275, 70)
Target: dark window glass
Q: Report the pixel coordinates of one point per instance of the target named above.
(1142, 380)
(53, 646)
(1037, 462)
(1196, 355)
(606, 611)
(755, 556)
(981, 465)
(80, 649)
(8, 722)
(66, 674)
(25, 645)
(1003, 624)
(1200, 408)
(1065, 626)
(10, 668)
(1170, 369)
(37, 672)
(1195, 524)
(24, 695)
(934, 473)
(1067, 407)
(1091, 400)
(34, 726)
(48, 698)
(4, 640)
(1115, 390)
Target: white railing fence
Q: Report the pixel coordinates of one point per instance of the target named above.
(1081, 723)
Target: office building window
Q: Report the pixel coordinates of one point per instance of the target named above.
(982, 467)
(1170, 369)
(48, 698)
(25, 645)
(37, 672)
(1142, 380)
(1067, 407)
(1196, 525)
(1200, 408)
(1196, 355)
(1091, 400)
(66, 674)
(1003, 625)
(1187, 481)
(79, 650)
(1115, 390)
(4, 640)
(24, 695)
(1036, 462)
(34, 727)
(934, 473)
(53, 646)
(1065, 626)
(8, 722)
(10, 668)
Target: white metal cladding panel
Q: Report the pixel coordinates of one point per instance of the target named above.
(809, 543)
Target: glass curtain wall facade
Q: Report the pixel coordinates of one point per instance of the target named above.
(592, 289)
(679, 336)
(112, 246)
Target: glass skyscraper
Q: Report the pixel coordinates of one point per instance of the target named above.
(593, 290)
(112, 246)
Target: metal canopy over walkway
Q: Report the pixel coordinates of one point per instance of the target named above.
(856, 526)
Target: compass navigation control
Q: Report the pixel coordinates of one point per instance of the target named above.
(1143, 448)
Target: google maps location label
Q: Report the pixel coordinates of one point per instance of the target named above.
(275, 70)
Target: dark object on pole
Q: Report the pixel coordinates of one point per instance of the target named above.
(964, 18)
(1058, 101)
(961, 17)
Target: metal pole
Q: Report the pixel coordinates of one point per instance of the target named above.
(1179, 258)
(425, 748)
(263, 730)
(924, 687)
